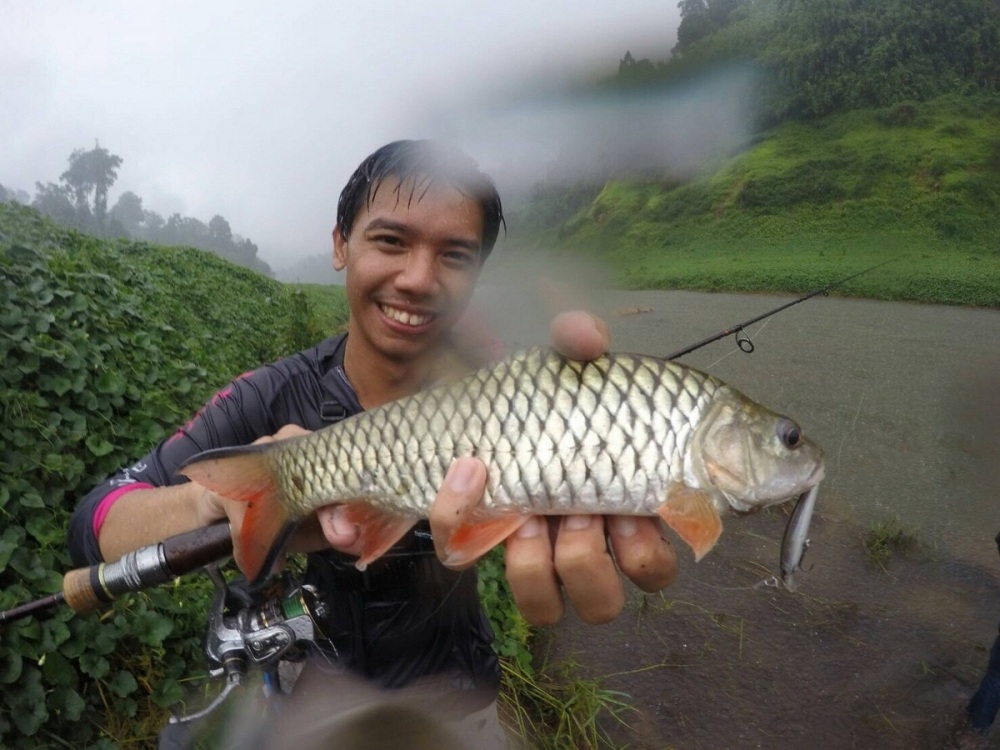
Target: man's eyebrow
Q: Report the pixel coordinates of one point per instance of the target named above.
(379, 223)
(398, 226)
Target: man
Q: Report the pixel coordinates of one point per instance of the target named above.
(415, 224)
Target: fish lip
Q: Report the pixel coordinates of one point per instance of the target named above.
(817, 476)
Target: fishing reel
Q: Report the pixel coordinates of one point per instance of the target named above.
(256, 629)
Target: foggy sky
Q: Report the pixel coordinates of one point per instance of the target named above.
(259, 111)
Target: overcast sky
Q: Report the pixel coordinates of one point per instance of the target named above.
(259, 111)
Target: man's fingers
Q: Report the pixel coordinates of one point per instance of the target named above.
(579, 335)
(531, 573)
(587, 570)
(338, 531)
(283, 433)
(643, 553)
(463, 488)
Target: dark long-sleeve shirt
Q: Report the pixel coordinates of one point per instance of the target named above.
(406, 616)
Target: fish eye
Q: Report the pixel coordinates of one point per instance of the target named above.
(789, 433)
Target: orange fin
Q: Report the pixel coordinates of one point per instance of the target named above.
(693, 516)
(477, 537)
(245, 474)
(379, 530)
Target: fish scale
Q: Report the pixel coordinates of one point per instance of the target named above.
(556, 435)
(622, 434)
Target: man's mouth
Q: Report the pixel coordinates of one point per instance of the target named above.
(406, 318)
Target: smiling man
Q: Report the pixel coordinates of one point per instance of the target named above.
(415, 224)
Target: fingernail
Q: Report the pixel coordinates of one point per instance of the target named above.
(625, 526)
(576, 523)
(529, 528)
(338, 520)
(461, 476)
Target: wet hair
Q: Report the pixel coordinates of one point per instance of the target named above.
(420, 164)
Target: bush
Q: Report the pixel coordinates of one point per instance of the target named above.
(901, 115)
(104, 347)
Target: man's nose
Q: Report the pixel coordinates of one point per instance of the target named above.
(419, 275)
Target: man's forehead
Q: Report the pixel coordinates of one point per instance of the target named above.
(422, 197)
(391, 190)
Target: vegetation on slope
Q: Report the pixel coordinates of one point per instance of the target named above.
(877, 137)
(105, 347)
(814, 201)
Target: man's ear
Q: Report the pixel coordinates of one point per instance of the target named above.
(339, 250)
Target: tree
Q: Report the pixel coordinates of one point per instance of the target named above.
(154, 224)
(11, 195)
(92, 172)
(128, 212)
(220, 232)
(55, 201)
(699, 18)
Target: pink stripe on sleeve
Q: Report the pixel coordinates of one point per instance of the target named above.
(110, 499)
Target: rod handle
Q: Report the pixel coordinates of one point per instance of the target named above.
(196, 549)
(87, 589)
(79, 591)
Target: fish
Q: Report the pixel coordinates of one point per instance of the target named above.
(621, 434)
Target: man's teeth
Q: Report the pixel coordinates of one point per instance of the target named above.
(407, 319)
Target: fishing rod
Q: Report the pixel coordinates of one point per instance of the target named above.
(87, 589)
(745, 344)
(279, 623)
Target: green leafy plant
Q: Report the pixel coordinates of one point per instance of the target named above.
(105, 347)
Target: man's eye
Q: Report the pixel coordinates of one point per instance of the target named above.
(460, 258)
(389, 240)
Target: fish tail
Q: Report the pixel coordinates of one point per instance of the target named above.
(246, 474)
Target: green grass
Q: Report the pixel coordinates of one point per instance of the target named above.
(885, 538)
(327, 305)
(557, 709)
(810, 203)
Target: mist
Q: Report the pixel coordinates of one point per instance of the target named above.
(259, 113)
(576, 133)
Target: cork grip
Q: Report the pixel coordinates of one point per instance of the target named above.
(80, 592)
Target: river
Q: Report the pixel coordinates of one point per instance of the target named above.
(905, 400)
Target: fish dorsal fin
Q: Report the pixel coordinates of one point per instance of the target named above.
(693, 516)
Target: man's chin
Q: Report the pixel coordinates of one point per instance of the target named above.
(408, 347)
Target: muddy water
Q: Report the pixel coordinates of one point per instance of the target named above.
(905, 399)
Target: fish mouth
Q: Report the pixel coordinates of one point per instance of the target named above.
(819, 473)
(408, 318)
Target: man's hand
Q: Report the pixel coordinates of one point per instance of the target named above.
(568, 551)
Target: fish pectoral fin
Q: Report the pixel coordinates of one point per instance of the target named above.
(378, 530)
(693, 516)
(475, 538)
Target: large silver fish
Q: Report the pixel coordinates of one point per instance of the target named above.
(622, 434)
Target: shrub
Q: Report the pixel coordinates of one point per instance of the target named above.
(104, 347)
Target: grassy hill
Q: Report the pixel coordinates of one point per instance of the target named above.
(809, 202)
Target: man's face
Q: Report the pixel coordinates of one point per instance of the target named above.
(412, 259)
